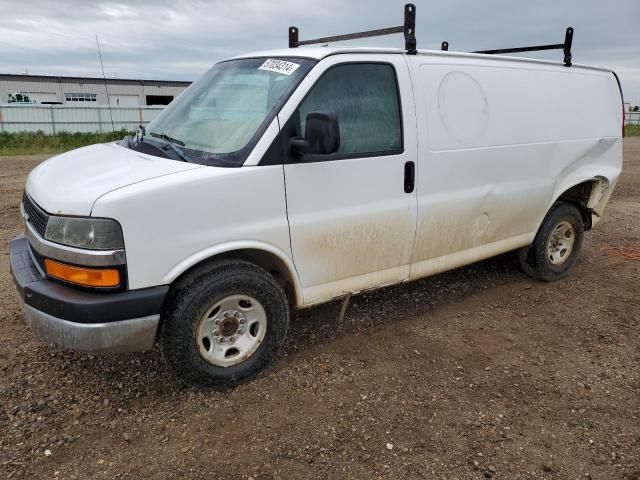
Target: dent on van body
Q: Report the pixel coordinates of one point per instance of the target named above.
(485, 208)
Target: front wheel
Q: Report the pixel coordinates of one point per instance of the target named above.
(223, 323)
(556, 245)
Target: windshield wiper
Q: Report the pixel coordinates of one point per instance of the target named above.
(169, 142)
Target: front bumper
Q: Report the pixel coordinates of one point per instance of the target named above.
(82, 320)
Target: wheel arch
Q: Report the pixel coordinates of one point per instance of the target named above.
(266, 256)
(585, 193)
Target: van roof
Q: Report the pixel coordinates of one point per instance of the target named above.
(319, 53)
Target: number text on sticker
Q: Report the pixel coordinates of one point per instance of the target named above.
(279, 66)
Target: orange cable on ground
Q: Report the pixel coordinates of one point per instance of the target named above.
(629, 253)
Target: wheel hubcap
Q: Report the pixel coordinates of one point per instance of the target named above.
(228, 327)
(561, 243)
(231, 330)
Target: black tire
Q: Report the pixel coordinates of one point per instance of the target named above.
(190, 299)
(534, 259)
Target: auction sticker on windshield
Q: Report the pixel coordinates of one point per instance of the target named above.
(279, 66)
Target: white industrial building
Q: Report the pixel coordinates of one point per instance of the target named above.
(57, 90)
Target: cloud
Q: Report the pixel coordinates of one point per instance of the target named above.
(179, 39)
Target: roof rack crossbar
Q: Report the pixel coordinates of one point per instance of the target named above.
(409, 30)
(351, 36)
(565, 47)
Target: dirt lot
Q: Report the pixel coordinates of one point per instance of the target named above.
(476, 373)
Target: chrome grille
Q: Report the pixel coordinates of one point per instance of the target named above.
(37, 217)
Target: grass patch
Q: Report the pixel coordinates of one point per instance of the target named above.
(633, 130)
(32, 143)
(29, 143)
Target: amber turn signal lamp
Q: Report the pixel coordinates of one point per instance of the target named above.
(88, 277)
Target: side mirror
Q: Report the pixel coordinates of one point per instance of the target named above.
(321, 135)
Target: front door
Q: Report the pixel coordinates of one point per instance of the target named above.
(352, 214)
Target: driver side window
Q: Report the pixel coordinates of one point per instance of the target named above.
(364, 96)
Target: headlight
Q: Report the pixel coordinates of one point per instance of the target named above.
(90, 233)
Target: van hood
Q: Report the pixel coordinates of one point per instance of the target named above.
(70, 183)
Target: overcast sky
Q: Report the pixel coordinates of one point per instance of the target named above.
(181, 39)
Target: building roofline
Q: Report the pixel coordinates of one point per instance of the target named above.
(137, 81)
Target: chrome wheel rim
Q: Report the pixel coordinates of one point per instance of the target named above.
(561, 243)
(231, 330)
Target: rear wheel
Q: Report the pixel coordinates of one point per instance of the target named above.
(223, 323)
(556, 245)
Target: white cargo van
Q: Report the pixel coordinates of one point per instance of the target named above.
(288, 178)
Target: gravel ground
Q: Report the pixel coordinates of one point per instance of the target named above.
(476, 373)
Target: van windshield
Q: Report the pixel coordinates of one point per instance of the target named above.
(219, 118)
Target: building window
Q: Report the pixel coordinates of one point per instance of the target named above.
(80, 97)
(159, 99)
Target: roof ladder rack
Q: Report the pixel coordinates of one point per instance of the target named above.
(409, 30)
(565, 47)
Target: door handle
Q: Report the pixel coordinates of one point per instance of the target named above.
(409, 177)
